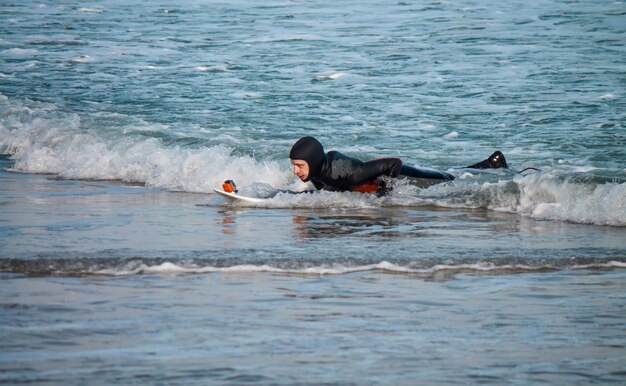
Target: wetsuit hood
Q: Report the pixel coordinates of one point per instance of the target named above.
(310, 150)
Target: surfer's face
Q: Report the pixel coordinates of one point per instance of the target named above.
(300, 168)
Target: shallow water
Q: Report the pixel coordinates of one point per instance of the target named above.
(359, 328)
(110, 283)
(117, 265)
(52, 226)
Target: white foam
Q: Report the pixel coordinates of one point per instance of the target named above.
(453, 134)
(21, 52)
(465, 175)
(91, 10)
(330, 75)
(610, 264)
(247, 95)
(212, 68)
(45, 142)
(82, 59)
(544, 196)
(609, 96)
(321, 270)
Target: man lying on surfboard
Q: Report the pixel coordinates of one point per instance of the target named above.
(337, 172)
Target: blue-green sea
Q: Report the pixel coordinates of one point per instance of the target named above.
(119, 265)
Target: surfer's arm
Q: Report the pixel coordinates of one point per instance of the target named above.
(344, 173)
(371, 170)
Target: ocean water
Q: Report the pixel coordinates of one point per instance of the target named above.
(118, 264)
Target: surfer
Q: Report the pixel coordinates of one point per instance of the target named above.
(337, 172)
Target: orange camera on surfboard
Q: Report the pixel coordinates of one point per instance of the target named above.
(229, 186)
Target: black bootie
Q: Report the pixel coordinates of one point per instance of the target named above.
(495, 161)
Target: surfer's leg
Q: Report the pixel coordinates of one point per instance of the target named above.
(495, 161)
(411, 172)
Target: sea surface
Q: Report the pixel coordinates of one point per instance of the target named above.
(118, 265)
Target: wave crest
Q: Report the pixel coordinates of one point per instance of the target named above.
(123, 267)
(43, 140)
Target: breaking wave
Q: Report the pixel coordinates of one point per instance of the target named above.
(41, 138)
(544, 196)
(129, 267)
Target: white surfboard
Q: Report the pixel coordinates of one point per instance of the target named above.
(238, 197)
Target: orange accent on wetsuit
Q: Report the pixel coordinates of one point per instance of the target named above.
(368, 187)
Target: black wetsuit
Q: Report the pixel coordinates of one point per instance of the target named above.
(338, 172)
